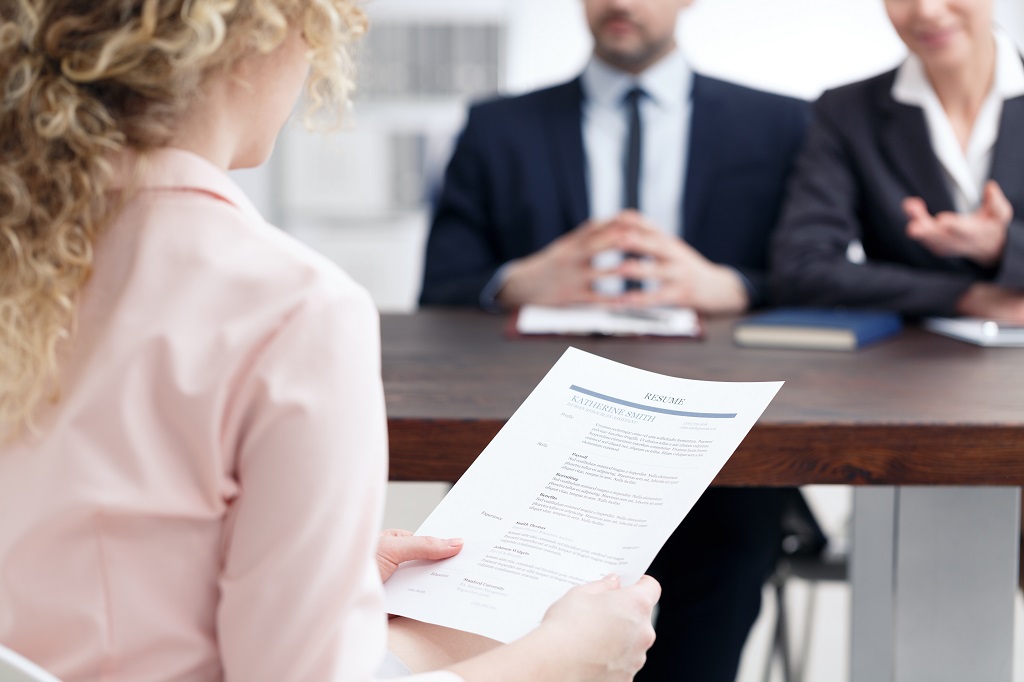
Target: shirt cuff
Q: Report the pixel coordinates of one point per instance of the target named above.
(489, 294)
(753, 295)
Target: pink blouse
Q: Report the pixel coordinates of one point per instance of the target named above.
(202, 503)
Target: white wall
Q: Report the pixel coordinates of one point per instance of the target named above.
(795, 47)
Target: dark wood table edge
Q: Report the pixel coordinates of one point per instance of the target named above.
(772, 455)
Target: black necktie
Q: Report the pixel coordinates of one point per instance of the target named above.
(631, 192)
(631, 174)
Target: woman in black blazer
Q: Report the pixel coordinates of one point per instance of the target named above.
(923, 166)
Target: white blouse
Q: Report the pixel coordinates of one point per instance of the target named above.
(966, 172)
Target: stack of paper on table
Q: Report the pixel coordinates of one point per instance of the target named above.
(978, 331)
(584, 320)
(590, 476)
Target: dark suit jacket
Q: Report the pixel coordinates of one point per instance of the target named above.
(517, 181)
(865, 152)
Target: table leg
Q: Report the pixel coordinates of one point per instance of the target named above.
(936, 603)
(871, 577)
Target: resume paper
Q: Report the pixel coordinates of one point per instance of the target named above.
(590, 476)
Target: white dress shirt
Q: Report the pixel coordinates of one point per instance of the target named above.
(665, 119)
(665, 123)
(965, 170)
(665, 116)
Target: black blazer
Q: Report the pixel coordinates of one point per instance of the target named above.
(517, 181)
(865, 152)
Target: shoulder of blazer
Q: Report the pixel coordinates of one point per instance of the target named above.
(537, 102)
(713, 90)
(863, 98)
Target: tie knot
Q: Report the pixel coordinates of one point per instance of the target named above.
(633, 95)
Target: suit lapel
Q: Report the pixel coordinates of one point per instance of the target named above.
(1008, 155)
(903, 134)
(565, 143)
(700, 156)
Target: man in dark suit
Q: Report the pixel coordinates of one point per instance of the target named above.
(545, 193)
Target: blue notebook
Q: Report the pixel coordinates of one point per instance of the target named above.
(816, 328)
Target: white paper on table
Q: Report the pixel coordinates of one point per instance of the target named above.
(590, 476)
(979, 331)
(594, 319)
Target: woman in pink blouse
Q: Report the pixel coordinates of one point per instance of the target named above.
(194, 454)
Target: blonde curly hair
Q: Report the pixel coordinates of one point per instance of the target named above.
(81, 80)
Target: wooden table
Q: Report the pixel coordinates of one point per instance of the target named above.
(916, 410)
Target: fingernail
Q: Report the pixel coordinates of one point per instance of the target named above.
(455, 542)
(611, 577)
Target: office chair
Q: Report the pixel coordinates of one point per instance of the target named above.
(807, 554)
(17, 668)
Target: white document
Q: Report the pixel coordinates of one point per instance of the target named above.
(579, 320)
(978, 331)
(590, 476)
